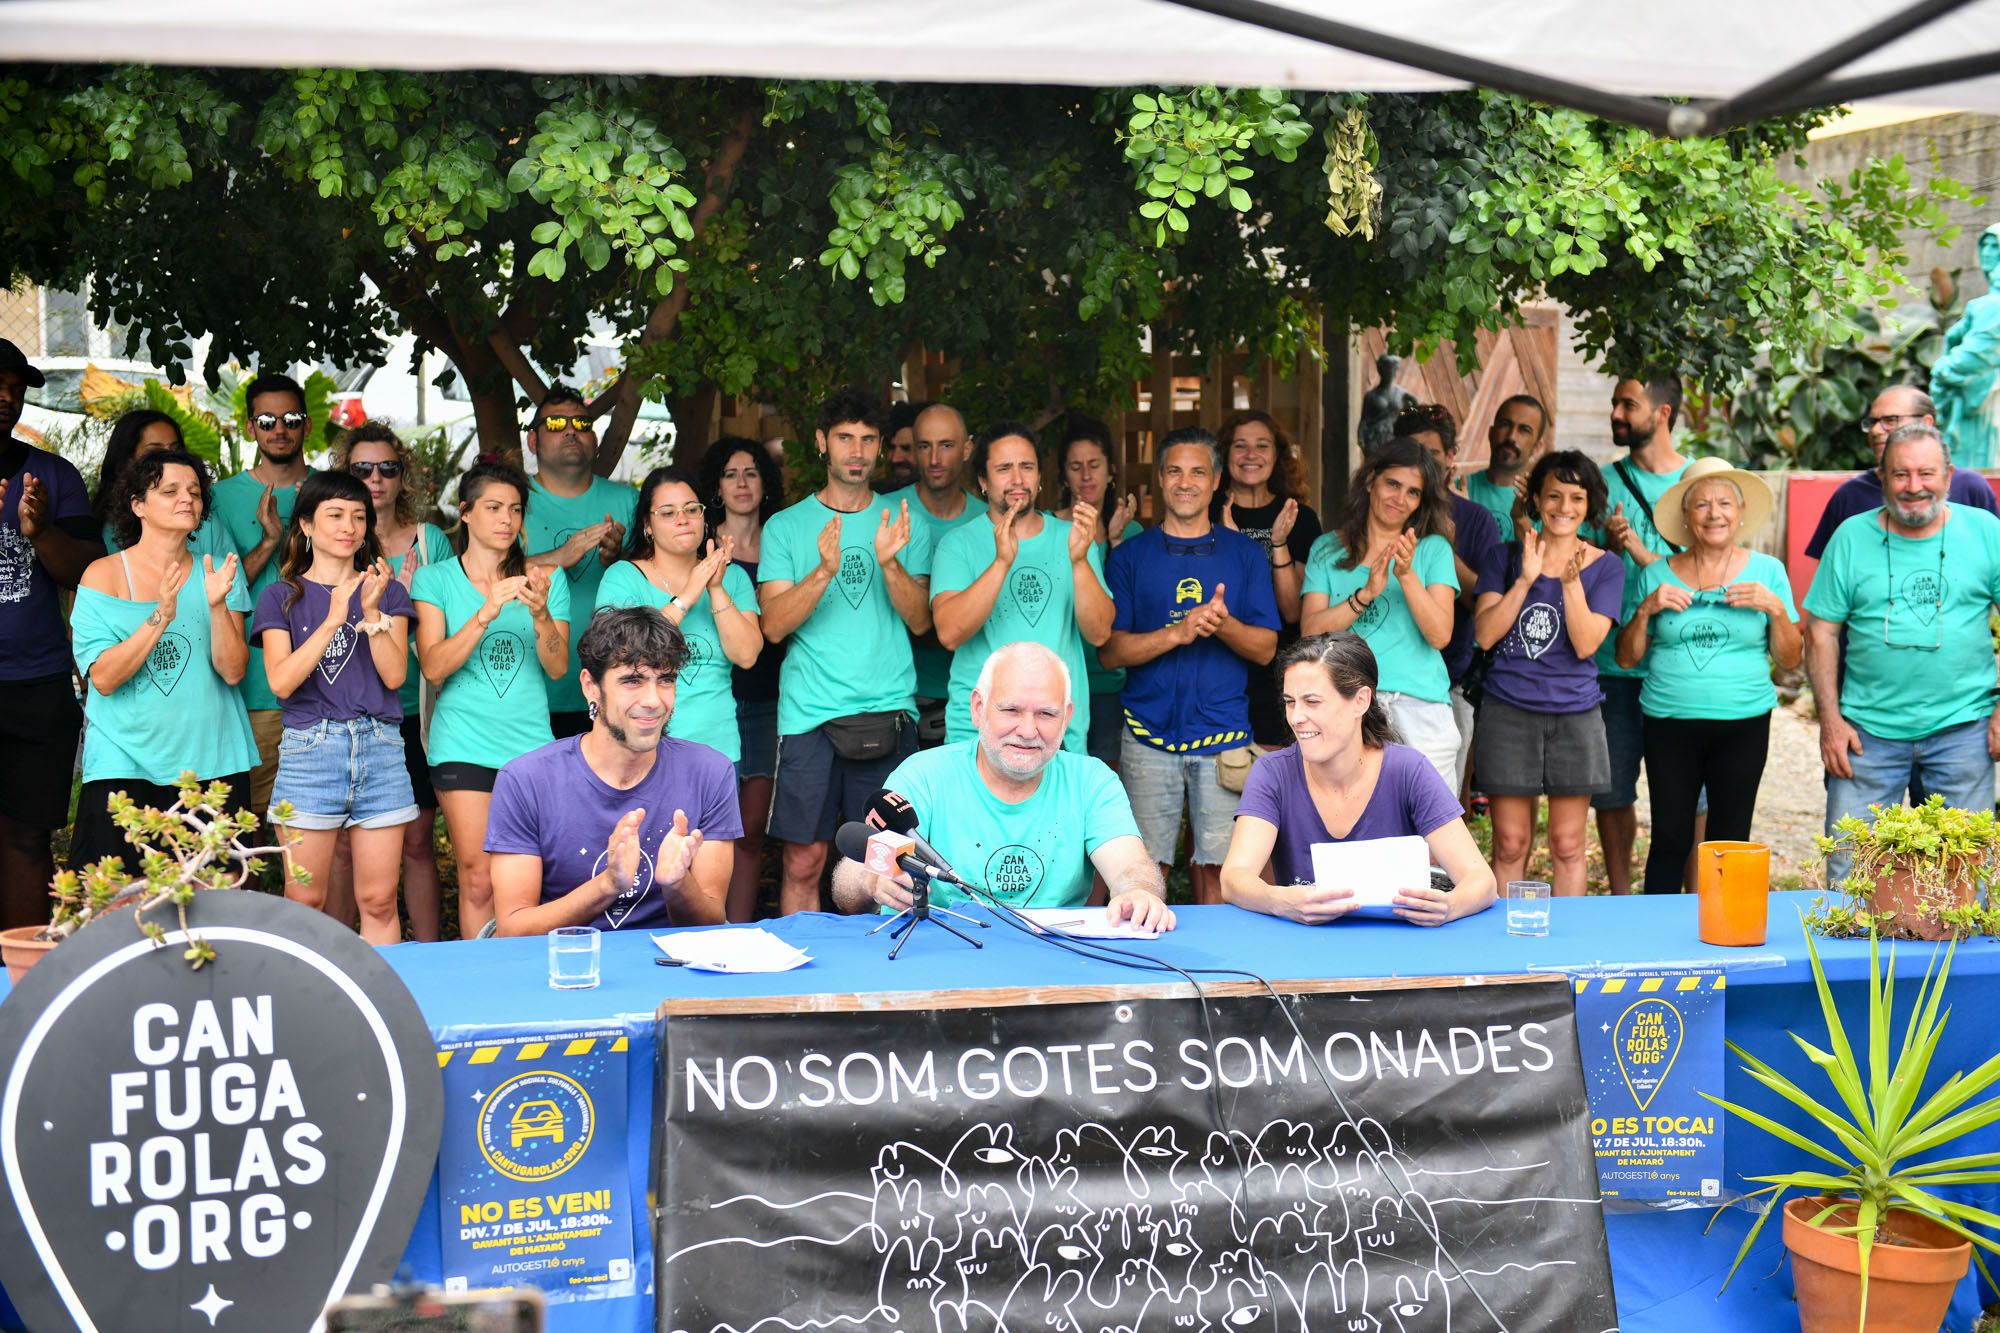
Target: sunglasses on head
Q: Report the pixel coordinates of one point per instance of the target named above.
(270, 420)
(390, 469)
(564, 423)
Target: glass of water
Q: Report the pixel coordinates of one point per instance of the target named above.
(573, 957)
(1527, 907)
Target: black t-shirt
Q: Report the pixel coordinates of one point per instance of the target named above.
(758, 682)
(1267, 713)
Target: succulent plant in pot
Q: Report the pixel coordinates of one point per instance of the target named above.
(1917, 871)
(1875, 1242)
(194, 844)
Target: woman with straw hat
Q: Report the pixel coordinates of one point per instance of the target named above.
(1711, 620)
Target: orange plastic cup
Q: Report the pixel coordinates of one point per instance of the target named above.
(1733, 880)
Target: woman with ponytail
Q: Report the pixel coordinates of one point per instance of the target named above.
(335, 630)
(1346, 779)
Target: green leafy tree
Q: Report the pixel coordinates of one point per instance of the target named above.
(782, 238)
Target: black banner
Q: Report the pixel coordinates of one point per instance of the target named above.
(1420, 1159)
(228, 1148)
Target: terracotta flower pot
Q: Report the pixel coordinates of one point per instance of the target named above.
(1897, 894)
(1912, 1269)
(22, 950)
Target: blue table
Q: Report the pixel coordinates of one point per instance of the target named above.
(1666, 1271)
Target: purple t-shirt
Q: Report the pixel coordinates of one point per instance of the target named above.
(1476, 541)
(1409, 798)
(1534, 668)
(33, 642)
(549, 803)
(1863, 492)
(345, 684)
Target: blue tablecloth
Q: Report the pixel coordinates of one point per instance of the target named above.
(1666, 1271)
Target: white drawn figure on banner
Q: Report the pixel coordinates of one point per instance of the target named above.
(1295, 1227)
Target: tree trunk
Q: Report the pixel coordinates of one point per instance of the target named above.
(693, 417)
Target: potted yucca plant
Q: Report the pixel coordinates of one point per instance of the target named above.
(1874, 1244)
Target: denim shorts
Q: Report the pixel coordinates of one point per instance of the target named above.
(1107, 726)
(1160, 785)
(1624, 741)
(344, 773)
(815, 789)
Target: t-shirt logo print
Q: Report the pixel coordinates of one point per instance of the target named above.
(17, 565)
(1031, 593)
(578, 570)
(855, 572)
(501, 655)
(339, 650)
(1921, 595)
(168, 662)
(1538, 627)
(1014, 873)
(1703, 639)
(642, 883)
(698, 655)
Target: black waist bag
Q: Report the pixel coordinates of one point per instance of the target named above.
(863, 736)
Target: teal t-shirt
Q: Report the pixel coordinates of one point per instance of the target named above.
(236, 509)
(1405, 662)
(1106, 680)
(1035, 854)
(552, 520)
(1037, 602)
(172, 714)
(1495, 499)
(704, 704)
(492, 709)
(1712, 660)
(1919, 654)
(208, 540)
(1639, 513)
(932, 660)
(852, 654)
(431, 547)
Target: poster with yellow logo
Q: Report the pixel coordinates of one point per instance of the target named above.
(532, 1168)
(1652, 1044)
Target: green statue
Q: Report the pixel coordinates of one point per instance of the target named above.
(1963, 382)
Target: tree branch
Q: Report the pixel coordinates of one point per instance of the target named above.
(667, 310)
(517, 322)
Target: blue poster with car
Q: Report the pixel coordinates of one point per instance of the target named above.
(532, 1182)
(1652, 1044)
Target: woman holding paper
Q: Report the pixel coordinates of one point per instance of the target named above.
(1344, 772)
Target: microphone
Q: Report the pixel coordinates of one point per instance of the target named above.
(884, 852)
(892, 811)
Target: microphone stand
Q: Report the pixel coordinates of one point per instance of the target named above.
(920, 911)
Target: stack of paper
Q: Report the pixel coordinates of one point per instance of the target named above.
(1085, 923)
(739, 949)
(1375, 869)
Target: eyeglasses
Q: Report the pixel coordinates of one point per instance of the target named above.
(270, 420)
(1933, 596)
(565, 423)
(389, 470)
(1868, 424)
(679, 511)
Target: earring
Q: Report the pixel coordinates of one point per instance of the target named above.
(591, 708)
(309, 542)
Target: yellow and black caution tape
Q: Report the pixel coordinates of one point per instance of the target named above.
(486, 1053)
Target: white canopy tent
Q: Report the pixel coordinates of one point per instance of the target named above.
(1613, 58)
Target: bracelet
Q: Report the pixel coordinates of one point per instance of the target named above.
(379, 625)
(1287, 565)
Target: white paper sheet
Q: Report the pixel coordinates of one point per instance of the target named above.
(1374, 868)
(1086, 923)
(742, 949)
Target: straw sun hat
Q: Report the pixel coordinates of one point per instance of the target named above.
(1671, 523)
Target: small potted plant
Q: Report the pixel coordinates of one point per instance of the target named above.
(196, 843)
(1918, 871)
(1873, 1243)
